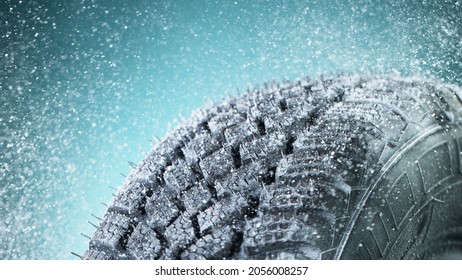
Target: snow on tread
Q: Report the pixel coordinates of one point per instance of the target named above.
(273, 174)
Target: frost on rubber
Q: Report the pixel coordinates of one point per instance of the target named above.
(298, 171)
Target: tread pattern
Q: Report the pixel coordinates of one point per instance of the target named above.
(275, 174)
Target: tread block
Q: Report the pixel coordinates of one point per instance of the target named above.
(318, 191)
(276, 231)
(143, 243)
(95, 255)
(180, 234)
(267, 149)
(216, 245)
(288, 122)
(200, 147)
(111, 232)
(237, 134)
(217, 165)
(151, 165)
(160, 210)
(131, 198)
(224, 120)
(165, 150)
(180, 177)
(196, 198)
(266, 107)
(240, 184)
(222, 212)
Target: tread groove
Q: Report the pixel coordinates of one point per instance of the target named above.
(269, 177)
(212, 190)
(205, 126)
(236, 243)
(289, 146)
(253, 202)
(236, 155)
(283, 105)
(178, 203)
(196, 227)
(162, 239)
(124, 239)
(261, 126)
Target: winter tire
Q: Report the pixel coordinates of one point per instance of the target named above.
(343, 168)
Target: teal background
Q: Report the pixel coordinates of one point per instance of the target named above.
(85, 84)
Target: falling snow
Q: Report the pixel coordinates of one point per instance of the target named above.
(85, 84)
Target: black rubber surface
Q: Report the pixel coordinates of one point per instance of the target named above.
(350, 167)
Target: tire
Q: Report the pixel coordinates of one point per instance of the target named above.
(344, 168)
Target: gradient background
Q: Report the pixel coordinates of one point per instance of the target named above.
(85, 84)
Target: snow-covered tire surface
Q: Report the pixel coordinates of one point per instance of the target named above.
(344, 168)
